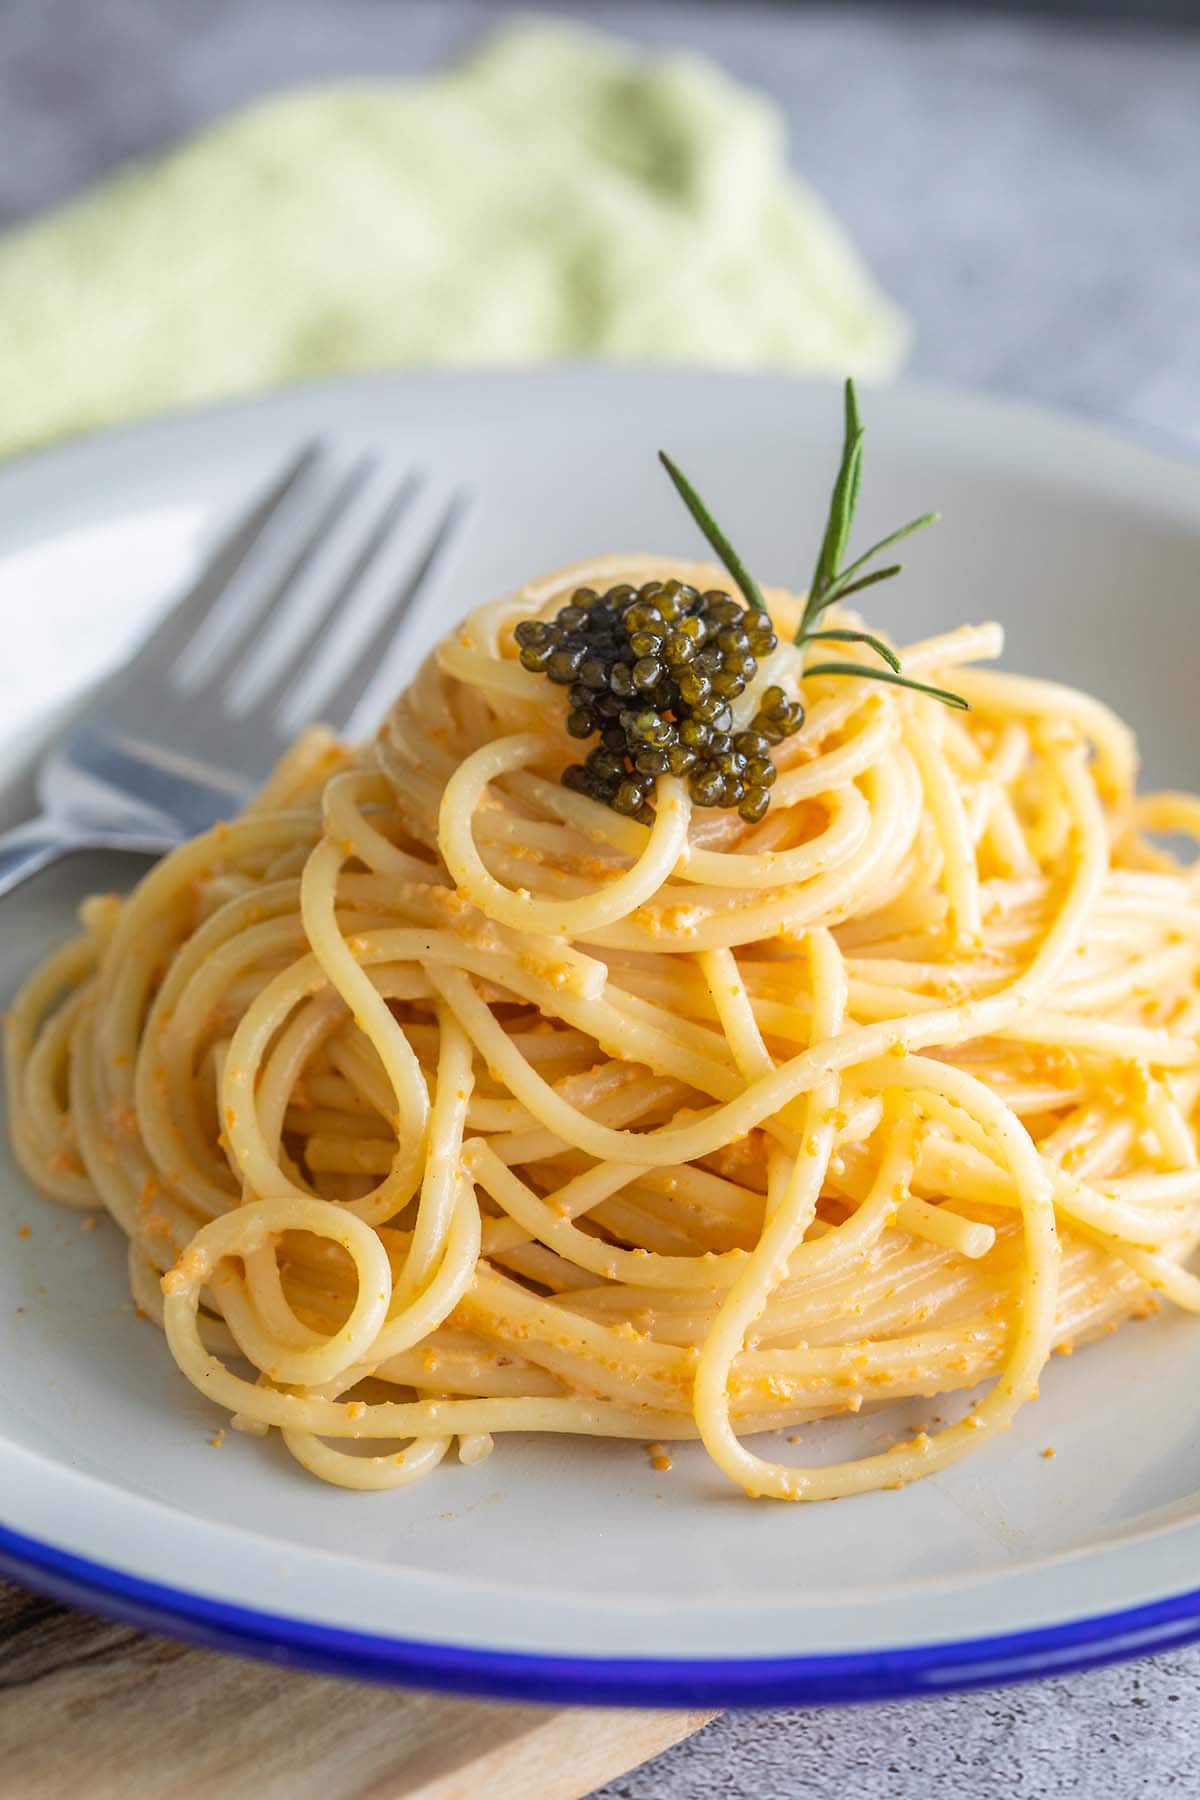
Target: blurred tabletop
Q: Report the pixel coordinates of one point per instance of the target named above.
(1028, 190)
(1026, 187)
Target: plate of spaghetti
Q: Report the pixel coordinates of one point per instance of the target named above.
(724, 1041)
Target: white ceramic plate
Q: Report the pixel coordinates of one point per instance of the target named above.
(571, 1569)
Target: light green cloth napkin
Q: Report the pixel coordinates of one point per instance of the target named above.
(555, 196)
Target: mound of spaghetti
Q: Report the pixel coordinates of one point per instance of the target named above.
(439, 1100)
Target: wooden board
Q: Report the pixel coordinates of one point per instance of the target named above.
(97, 1709)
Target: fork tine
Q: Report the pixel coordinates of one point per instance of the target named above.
(338, 706)
(183, 620)
(286, 678)
(258, 619)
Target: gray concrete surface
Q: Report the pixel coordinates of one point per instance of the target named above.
(1118, 1733)
(1031, 192)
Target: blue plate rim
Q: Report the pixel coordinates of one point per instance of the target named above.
(824, 1680)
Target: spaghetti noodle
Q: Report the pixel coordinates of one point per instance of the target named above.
(438, 1101)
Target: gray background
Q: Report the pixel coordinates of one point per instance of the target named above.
(1030, 191)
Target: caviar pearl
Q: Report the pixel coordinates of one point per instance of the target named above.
(651, 672)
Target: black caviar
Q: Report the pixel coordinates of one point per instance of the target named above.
(652, 672)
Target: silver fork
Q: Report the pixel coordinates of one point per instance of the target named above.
(167, 746)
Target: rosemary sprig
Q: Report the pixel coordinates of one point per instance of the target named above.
(831, 582)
